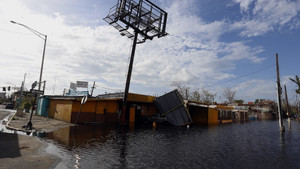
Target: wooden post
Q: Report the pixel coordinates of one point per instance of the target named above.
(287, 108)
(279, 91)
(154, 125)
(132, 115)
(297, 104)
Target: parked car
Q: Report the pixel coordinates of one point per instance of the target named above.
(9, 106)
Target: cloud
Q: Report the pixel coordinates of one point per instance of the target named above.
(262, 16)
(184, 22)
(256, 89)
(244, 4)
(192, 52)
(74, 52)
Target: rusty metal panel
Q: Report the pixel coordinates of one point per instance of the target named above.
(148, 109)
(107, 118)
(84, 117)
(212, 116)
(100, 107)
(132, 115)
(60, 109)
(104, 107)
(140, 98)
(199, 114)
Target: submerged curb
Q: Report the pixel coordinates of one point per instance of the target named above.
(16, 129)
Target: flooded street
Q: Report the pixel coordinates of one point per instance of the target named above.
(257, 144)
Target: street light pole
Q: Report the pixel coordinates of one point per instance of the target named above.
(42, 65)
(44, 37)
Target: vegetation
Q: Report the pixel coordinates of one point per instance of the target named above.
(297, 81)
(240, 102)
(258, 101)
(194, 94)
(27, 106)
(229, 94)
(185, 91)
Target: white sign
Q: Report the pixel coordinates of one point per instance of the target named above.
(82, 84)
(73, 86)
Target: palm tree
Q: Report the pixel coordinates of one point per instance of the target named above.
(297, 81)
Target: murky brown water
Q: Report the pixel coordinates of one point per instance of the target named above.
(257, 144)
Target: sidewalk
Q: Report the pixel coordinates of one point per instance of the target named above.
(21, 151)
(39, 123)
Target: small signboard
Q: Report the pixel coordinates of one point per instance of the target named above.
(73, 86)
(36, 91)
(82, 84)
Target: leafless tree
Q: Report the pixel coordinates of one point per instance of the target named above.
(185, 91)
(229, 94)
(194, 94)
(207, 97)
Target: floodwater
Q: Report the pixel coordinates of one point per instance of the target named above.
(256, 144)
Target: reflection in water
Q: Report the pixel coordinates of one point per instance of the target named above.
(257, 144)
(282, 146)
(77, 158)
(77, 136)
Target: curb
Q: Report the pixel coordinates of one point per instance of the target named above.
(17, 129)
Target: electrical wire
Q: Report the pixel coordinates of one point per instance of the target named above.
(246, 75)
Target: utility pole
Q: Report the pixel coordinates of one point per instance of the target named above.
(93, 89)
(287, 108)
(279, 92)
(44, 86)
(297, 104)
(21, 91)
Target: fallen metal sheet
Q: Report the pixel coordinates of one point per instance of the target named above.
(171, 106)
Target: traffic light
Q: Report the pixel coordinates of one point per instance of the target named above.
(8, 88)
(4, 89)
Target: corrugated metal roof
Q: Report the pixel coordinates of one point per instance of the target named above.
(131, 97)
(172, 107)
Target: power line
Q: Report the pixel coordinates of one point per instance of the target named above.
(107, 88)
(249, 74)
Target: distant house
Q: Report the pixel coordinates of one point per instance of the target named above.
(233, 104)
(72, 92)
(241, 113)
(265, 109)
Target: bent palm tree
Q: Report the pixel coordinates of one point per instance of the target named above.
(297, 81)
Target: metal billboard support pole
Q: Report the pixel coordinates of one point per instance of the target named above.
(124, 106)
(132, 18)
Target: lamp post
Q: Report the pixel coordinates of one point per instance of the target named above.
(44, 37)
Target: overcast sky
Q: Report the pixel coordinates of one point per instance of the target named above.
(212, 44)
